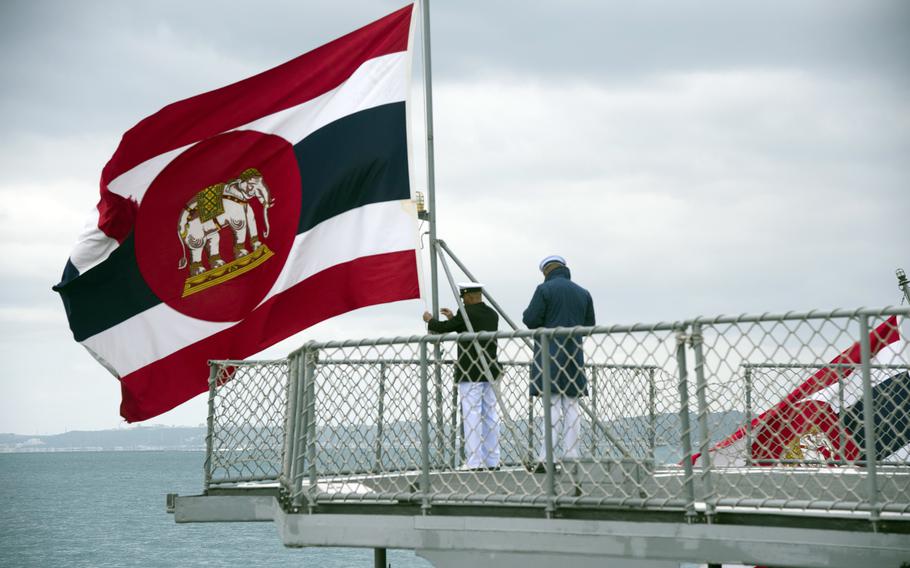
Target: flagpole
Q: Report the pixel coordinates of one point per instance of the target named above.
(431, 170)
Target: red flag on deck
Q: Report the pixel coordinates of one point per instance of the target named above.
(805, 424)
(233, 219)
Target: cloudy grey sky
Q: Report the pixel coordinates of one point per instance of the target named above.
(688, 158)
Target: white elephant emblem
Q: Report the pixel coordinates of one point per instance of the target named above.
(219, 206)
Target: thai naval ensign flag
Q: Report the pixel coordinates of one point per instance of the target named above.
(233, 219)
(823, 417)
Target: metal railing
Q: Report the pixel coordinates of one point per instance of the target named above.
(247, 421)
(740, 413)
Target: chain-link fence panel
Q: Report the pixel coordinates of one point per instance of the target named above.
(784, 416)
(486, 440)
(247, 413)
(763, 412)
(364, 419)
(631, 435)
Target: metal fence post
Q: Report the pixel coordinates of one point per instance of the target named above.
(531, 428)
(455, 425)
(310, 358)
(684, 427)
(380, 419)
(452, 444)
(841, 435)
(594, 388)
(298, 444)
(652, 416)
(701, 387)
(424, 430)
(547, 424)
(290, 421)
(462, 454)
(439, 456)
(869, 420)
(748, 381)
(210, 423)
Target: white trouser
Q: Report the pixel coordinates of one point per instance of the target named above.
(566, 427)
(481, 424)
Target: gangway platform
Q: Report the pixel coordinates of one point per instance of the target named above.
(685, 456)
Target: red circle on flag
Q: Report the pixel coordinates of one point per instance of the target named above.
(216, 226)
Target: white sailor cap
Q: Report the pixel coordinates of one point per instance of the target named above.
(465, 287)
(552, 258)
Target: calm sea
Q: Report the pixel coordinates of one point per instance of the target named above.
(107, 509)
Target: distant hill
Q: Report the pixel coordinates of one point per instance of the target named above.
(125, 439)
(632, 431)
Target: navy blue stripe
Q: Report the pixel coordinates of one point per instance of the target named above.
(357, 160)
(354, 161)
(69, 273)
(891, 418)
(107, 294)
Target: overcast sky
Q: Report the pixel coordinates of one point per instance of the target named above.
(687, 158)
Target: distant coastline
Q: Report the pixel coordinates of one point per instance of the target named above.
(192, 438)
(143, 438)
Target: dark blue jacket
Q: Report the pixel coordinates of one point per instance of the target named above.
(559, 302)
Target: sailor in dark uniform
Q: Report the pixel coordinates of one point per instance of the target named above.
(559, 302)
(474, 376)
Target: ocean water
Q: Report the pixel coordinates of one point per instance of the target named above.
(107, 509)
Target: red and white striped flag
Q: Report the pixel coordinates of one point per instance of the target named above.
(776, 434)
(233, 219)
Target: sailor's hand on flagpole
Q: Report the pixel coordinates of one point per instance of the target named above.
(447, 313)
(427, 316)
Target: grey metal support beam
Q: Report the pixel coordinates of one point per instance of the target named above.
(310, 356)
(594, 386)
(531, 429)
(869, 419)
(652, 416)
(841, 434)
(685, 429)
(299, 441)
(467, 321)
(453, 423)
(486, 293)
(210, 420)
(701, 387)
(380, 417)
(748, 385)
(587, 543)
(431, 158)
(424, 429)
(440, 458)
(545, 395)
(290, 419)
